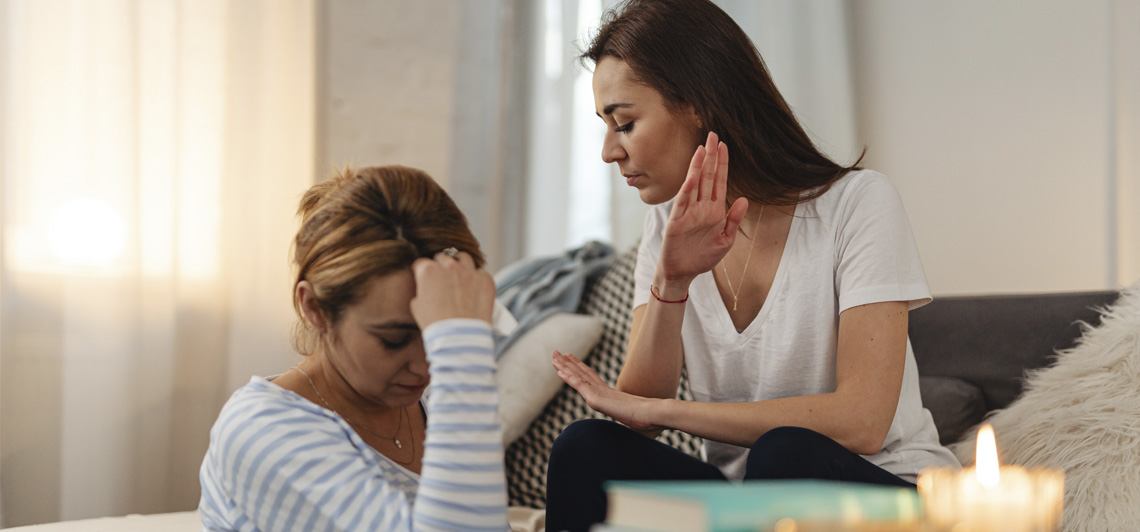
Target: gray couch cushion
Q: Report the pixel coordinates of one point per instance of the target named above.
(991, 341)
(955, 405)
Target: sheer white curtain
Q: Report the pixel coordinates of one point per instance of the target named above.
(152, 154)
(573, 197)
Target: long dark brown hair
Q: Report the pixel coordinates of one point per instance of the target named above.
(367, 223)
(694, 54)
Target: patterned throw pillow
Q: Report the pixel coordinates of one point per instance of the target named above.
(611, 299)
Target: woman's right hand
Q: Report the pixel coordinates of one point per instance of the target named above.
(450, 286)
(700, 230)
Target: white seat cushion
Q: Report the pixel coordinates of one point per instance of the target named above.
(171, 522)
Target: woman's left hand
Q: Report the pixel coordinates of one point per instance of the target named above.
(629, 410)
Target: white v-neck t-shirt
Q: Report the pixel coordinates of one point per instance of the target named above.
(851, 246)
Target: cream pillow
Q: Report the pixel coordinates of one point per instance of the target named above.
(525, 376)
(1082, 415)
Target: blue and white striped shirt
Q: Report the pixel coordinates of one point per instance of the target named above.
(279, 462)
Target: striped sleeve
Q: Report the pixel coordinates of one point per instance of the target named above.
(276, 465)
(462, 483)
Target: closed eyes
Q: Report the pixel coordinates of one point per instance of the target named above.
(396, 343)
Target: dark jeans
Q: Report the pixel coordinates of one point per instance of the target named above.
(592, 451)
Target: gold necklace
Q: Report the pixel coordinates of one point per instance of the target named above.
(747, 259)
(395, 439)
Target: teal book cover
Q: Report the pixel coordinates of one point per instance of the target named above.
(710, 506)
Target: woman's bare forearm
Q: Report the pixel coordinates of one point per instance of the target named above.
(655, 355)
(855, 424)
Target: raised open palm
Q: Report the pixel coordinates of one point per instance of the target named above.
(700, 229)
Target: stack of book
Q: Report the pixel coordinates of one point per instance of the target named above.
(760, 506)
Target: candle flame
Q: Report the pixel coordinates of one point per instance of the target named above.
(986, 459)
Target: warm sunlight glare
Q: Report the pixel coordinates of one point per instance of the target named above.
(86, 232)
(986, 459)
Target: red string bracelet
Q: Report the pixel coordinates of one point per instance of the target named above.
(653, 290)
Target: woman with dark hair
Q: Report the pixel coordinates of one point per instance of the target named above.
(389, 279)
(779, 283)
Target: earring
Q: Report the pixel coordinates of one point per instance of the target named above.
(699, 123)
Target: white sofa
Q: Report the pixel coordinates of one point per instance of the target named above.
(171, 522)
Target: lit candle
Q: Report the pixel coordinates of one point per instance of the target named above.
(990, 497)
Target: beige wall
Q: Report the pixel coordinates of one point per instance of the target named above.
(997, 122)
(386, 74)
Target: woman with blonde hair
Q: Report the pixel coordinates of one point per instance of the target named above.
(391, 295)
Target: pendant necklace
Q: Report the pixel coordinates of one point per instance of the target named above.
(755, 235)
(395, 439)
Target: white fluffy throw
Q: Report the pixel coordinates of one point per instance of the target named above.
(1082, 415)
